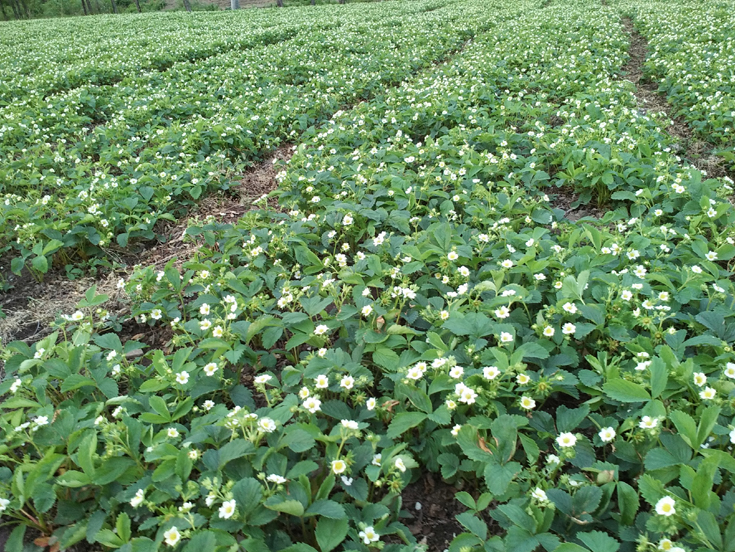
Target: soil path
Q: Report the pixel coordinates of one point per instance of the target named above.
(697, 152)
(30, 306)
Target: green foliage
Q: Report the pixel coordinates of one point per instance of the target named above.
(416, 303)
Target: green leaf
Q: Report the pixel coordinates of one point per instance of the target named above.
(518, 516)
(201, 542)
(233, 450)
(625, 391)
(299, 547)
(397, 329)
(562, 500)
(472, 524)
(520, 540)
(386, 358)
(305, 467)
(123, 526)
(628, 503)
(707, 421)
(96, 521)
(467, 440)
(586, 500)
(473, 324)
(292, 507)
(165, 469)
(15, 540)
(686, 426)
(260, 324)
(326, 508)
(77, 381)
(330, 533)
(711, 529)
(404, 421)
(159, 405)
(298, 440)
(184, 464)
(498, 477)
(531, 350)
(85, 454)
(247, 493)
(583, 330)
(417, 397)
(40, 263)
(570, 547)
(725, 460)
(17, 264)
(183, 408)
(112, 468)
(659, 376)
(108, 538)
(73, 478)
(449, 463)
(108, 341)
(326, 487)
(73, 534)
(568, 419)
(650, 488)
(659, 458)
(702, 485)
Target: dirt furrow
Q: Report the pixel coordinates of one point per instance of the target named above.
(31, 306)
(696, 152)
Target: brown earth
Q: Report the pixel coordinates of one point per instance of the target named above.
(30, 306)
(695, 151)
(434, 523)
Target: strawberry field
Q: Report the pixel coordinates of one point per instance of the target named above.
(492, 277)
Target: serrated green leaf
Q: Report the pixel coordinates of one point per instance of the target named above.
(330, 533)
(625, 391)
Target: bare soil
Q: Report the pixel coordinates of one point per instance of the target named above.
(565, 197)
(695, 151)
(647, 91)
(434, 524)
(30, 306)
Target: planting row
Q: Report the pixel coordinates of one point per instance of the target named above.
(420, 302)
(692, 56)
(164, 138)
(38, 58)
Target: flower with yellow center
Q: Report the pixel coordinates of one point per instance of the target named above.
(566, 440)
(369, 535)
(227, 509)
(172, 536)
(339, 466)
(665, 506)
(607, 434)
(266, 425)
(527, 403)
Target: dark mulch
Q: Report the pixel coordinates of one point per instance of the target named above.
(434, 524)
(4, 534)
(565, 197)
